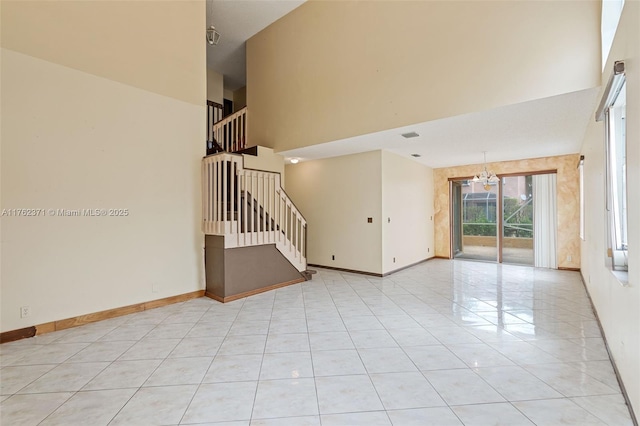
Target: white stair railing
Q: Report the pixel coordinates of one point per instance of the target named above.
(249, 207)
(231, 131)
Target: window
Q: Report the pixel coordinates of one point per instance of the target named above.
(612, 110)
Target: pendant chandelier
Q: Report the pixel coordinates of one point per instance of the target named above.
(213, 36)
(486, 177)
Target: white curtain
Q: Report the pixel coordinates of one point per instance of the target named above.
(545, 228)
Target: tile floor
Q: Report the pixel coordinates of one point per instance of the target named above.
(441, 343)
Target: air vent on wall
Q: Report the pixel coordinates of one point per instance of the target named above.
(410, 135)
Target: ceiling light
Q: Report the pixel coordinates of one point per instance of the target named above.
(294, 161)
(213, 37)
(410, 135)
(486, 177)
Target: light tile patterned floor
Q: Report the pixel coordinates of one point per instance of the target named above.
(441, 343)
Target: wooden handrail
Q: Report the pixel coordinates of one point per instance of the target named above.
(215, 104)
(231, 131)
(231, 117)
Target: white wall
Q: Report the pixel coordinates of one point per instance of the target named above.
(407, 200)
(215, 86)
(618, 306)
(336, 196)
(61, 148)
(92, 120)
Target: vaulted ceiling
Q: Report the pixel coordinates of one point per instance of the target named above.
(237, 21)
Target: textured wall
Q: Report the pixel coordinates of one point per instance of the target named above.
(568, 192)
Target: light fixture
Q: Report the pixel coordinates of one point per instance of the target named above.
(294, 161)
(213, 37)
(486, 177)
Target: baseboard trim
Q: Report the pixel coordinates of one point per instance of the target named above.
(213, 296)
(96, 316)
(13, 335)
(562, 268)
(408, 266)
(353, 271)
(252, 292)
(372, 274)
(613, 362)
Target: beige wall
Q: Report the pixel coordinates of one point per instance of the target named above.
(331, 70)
(407, 200)
(240, 98)
(133, 42)
(215, 86)
(336, 196)
(89, 122)
(266, 160)
(568, 198)
(618, 306)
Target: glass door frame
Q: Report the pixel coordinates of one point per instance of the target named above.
(499, 209)
(455, 188)
(452, 228)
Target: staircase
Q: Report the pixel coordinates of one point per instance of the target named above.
(228, 134)
(255, 237)
(250, 207)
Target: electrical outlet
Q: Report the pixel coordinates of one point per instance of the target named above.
(428, 249)
(394, 260)
(333, 257)
(155, 288)
(568, 258)
(25, 311)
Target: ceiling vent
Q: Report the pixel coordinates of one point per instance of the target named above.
(410, 135)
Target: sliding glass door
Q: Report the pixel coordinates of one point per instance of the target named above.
(497, 222)
(477, 234)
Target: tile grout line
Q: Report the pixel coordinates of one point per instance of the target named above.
(264, 348)
(313, 368)
(206, 371)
